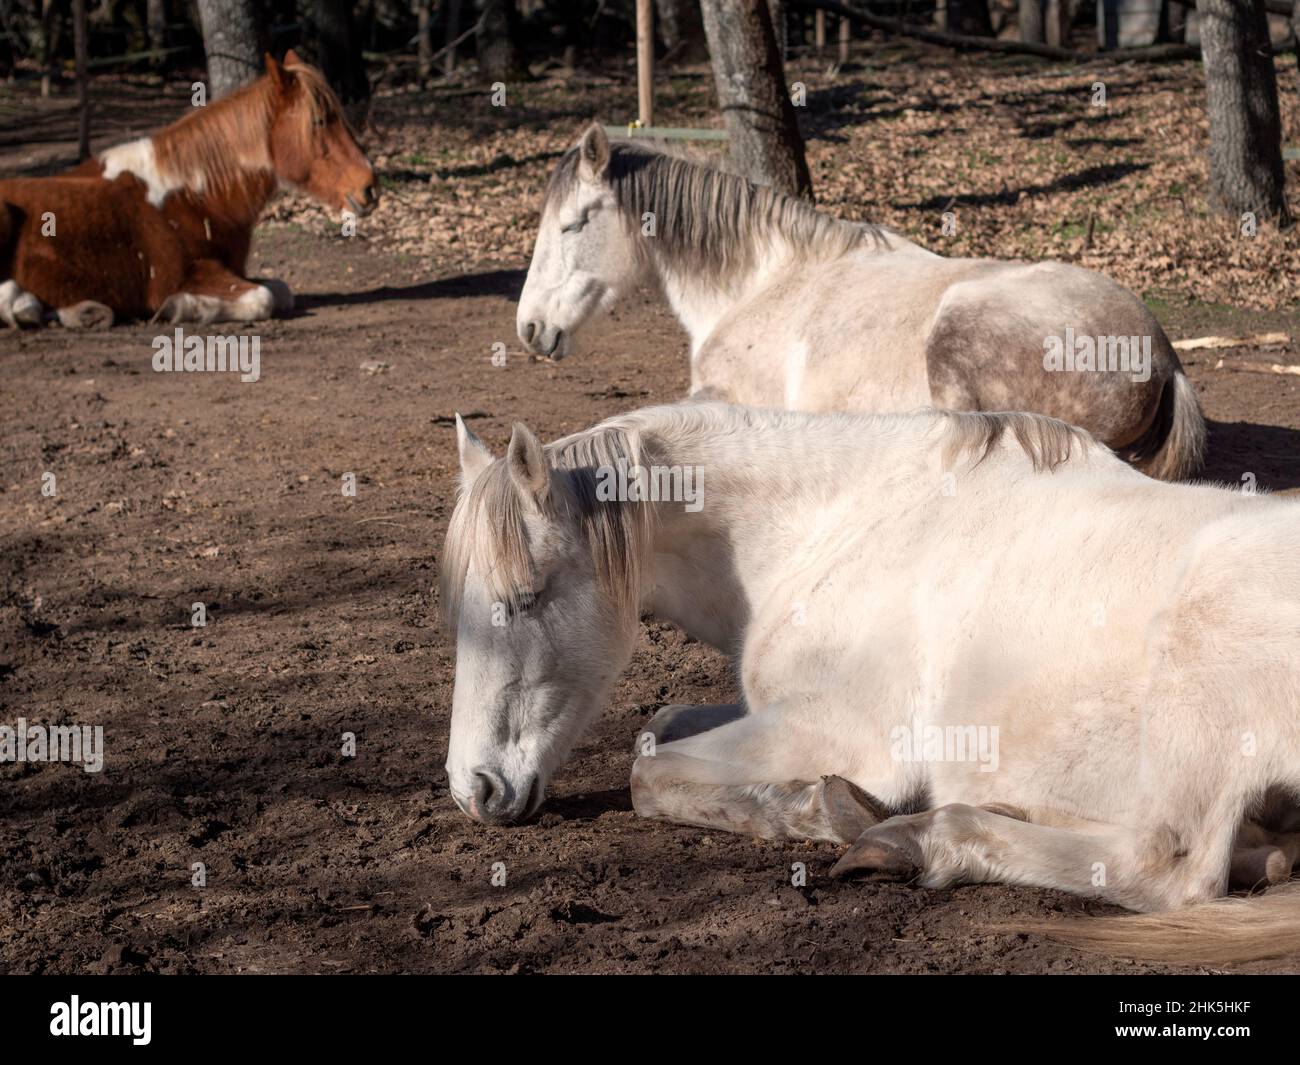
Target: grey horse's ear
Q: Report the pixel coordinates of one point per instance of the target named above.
(527, 464)
(474, 455)
(593, 154)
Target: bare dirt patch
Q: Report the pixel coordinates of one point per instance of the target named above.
(223, 743)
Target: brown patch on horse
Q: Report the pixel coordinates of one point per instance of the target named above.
(173, 214)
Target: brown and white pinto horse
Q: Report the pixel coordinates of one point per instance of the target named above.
(161, 226)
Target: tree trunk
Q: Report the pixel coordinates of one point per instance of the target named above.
(156, 19)
(50, 26)
(333, 37)
(424, 43)
(776, 12)
(1032, 24)
(1057, 18)
(970, 18)
(500, 58)
(80, 48)
(452, 33)
(765, 142)
(230, 42)
(681, 30)
(1295, 29)
(1241, 100)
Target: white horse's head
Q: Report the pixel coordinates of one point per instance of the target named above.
(540, 581)
(586, 256)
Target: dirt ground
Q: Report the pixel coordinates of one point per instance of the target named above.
(223, 744)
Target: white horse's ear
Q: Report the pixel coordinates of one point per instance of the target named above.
(527, 464)
(593, 154)
(474, 455)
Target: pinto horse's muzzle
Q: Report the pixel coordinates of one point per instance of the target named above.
(369, 200)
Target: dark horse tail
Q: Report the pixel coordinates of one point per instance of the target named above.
(1173, 446)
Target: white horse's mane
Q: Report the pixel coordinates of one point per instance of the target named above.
(489, 526)
(706, 220)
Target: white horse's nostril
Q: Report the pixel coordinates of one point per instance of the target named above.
(555, 349)
(484, 787)
(530, 331)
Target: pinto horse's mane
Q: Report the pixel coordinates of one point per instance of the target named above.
(226, 147)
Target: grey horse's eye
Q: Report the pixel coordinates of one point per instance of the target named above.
(575, 225)
(523, 602)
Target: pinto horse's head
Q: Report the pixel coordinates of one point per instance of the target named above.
(312, 147)
(540, 581)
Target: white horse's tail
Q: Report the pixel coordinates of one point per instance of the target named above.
(1173, 448)
(1222, 932)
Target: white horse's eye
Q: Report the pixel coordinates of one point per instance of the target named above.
(575, 225)
(524, 602)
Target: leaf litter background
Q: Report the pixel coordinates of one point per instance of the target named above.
(1016, 148)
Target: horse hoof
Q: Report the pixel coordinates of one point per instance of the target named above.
(86, 315)
(28, 310)
(850, 811)
(281, 295)
(886, 851)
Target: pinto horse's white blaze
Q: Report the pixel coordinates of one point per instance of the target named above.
(893, 587)
(751, 274)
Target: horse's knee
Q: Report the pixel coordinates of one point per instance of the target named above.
(643, 786)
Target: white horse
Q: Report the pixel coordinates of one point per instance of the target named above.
(789, 308)
(976, 646)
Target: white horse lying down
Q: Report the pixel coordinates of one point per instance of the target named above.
(788, 307)
(1048, 668)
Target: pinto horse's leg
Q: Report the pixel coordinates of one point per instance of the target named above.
(86, 315)
(19, 308)
(708, 772)
(211, 293)
(1138, 869)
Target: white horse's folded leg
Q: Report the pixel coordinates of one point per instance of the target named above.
(1148, 870)
(678, 721)
(713, 778)
(669, 787)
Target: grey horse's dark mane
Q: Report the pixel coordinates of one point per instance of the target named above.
(706, 221)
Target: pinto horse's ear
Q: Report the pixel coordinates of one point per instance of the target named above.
(274, 69)
(527, 464)
(593, 153)
(474, 455)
